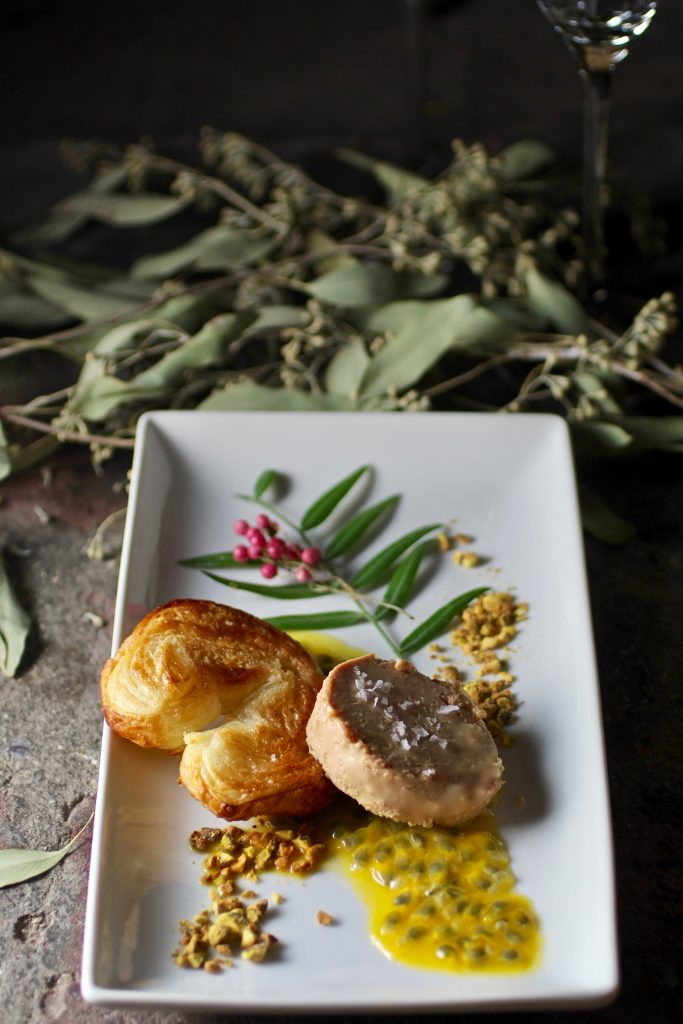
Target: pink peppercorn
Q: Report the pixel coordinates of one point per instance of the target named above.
(302, 574)
(240, 553)
(240, 526)
(311, 556)
(268, 570)
(255, 550)
(262, 521)
(275, 548)
(292, 551)
(255, 536)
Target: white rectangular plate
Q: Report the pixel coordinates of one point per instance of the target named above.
(507, 480)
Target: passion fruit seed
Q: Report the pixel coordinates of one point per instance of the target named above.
(430, 877)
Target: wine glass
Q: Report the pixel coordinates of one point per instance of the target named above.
(598, 33)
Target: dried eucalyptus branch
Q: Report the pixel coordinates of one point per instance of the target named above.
(299, 297)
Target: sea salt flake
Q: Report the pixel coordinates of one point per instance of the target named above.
(447, 709)
(405, 744)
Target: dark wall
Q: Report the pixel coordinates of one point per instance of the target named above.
(329, 70)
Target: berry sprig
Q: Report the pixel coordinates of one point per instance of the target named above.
(325, 569)
(273, 552)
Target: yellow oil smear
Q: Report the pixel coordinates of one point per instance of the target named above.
(326, 650)
(442, 897)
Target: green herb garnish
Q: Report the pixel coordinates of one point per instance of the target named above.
(315, 567)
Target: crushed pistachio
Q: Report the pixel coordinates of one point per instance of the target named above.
(203, 838)
(231, 922)
(208, 940)
(242, 852)
(444, 541)
(449, 674)
(486, 627)
(467, 558)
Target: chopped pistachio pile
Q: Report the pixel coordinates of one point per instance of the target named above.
(231, 922)
(487, 626)
(235, 851)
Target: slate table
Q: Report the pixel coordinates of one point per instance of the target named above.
(323, 76)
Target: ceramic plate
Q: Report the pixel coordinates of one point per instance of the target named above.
(507, 480)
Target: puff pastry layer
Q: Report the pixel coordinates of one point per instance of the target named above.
(189, 663)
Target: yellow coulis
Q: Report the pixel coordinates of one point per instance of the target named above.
(326, 650)
(442, 897)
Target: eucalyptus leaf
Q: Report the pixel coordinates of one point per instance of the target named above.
(218, 248)
(201, 350)
(438, 622)
(249, 395)
(373, 284)
(61, 223)
(596, 437)
(429, 330)
(188, 311)
(396, 181)
(28, 311)
(124, 210)
(515, 311)
(96, 397)
(269, 318)
(403, 578)
(56, 228)
(374, 571)
(268, 478)
(16, 458)
(319, 241)
(524, 159)
(601, 521)
(325, 505)
(281, 592)
(323, 620)
(14, 625)
(554, 302)
(21, 865)
(353, 531)
(652, 433)
(86, 303)
(591, 385)
(346, 368)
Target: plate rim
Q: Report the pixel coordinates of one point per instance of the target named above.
(598, 995)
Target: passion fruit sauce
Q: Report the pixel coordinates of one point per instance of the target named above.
(441, 898)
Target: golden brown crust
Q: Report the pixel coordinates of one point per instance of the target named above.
(190, 662)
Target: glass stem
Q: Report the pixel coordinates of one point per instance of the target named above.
(597, 88)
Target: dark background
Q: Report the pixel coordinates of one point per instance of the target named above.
(308, 72)
(303, 76)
